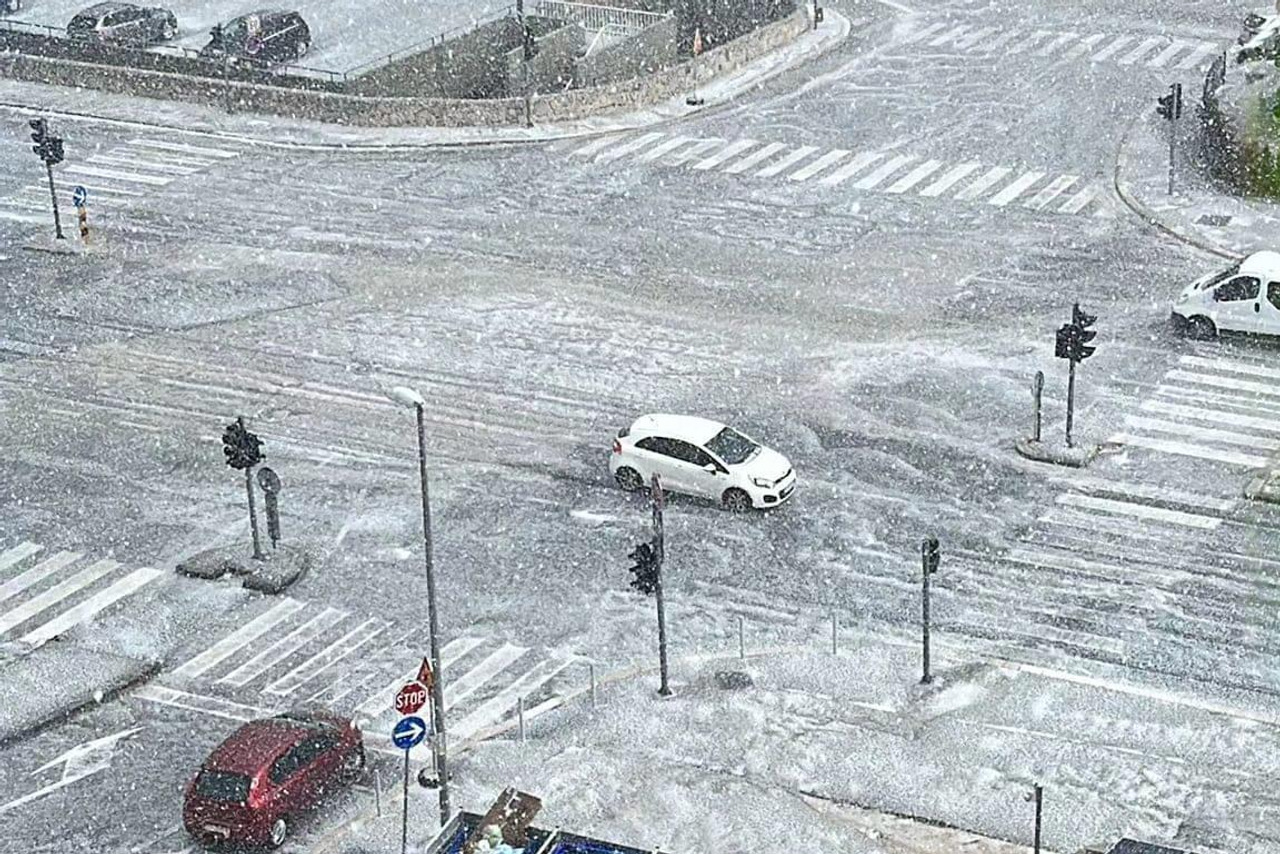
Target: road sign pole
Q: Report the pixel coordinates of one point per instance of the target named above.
(253, 515)
(1071, 396)
(659, 547)
(1037, 392)
(53, 193)
(404, 824)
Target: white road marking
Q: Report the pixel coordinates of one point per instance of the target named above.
(1086, 44)
(1112, 49)
(915, 176)
(81, 761)
(1226, 401)
(204, 704)
(977, 188)
(497, 706)
(1265, 389)
(823, 162)
(1197, 56)
(700, 147)
(1270, 425)
(883, 171)
(283, 648)
(241, 637)
(36, 604)
(128, 177)
(1061, 41)
(328, 657)
(596, 145)
(1230, 366)
(997, 43)
(748, 162)
(1140, 511)
(950, 179)
(662, 148)
(1208, 434)
(1162, 58)
(975, 37)
(728, 152)
(1141, 50)
(131, 163)
(384, 698)
(1029, 42)
(471, 681)
(627, 148)
(37, 573)
(220, 153)
(19, 216)
(952, 35)
(1149, 491)
(920, 35)
(1051, 192)
(16, 555)
(1017, 188)
(96, 603)
(848, 170)
(787, 162)
(1188, 449)
(1080, 200)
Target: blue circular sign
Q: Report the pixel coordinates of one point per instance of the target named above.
(409, 732)
(79, 196)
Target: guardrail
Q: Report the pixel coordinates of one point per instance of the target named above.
(597, 17)
(433, 41)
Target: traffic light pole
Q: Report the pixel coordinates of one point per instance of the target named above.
(1071, 396)
(655, 493)
(253, 514)
(1173, 148)
(57, 220)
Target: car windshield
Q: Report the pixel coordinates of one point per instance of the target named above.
(732, 447)
(223, 786)
(1220, 277)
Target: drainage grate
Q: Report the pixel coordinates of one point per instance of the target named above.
(1216, 220)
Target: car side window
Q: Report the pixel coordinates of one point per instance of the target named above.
(657, 445)
(701, 458)
(288, 764)
(1273, 293)
(1239, 288)
(685, 452)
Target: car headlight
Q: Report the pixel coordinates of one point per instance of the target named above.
(761, 482)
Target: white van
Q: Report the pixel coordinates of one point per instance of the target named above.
(1243, 298)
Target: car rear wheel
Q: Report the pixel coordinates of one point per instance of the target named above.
(1201, 329)
(628, 478)
(279, 832)
(736, 500)
(303, 47)
(169, 31)
(353, 764)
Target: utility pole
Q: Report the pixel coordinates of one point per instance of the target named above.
(657, 499)
(1170, 108)
(1038, 796)
(526, 46)
(930, 555)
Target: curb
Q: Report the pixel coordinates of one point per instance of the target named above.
(144, 674)
(1042, 453)
(1136, 205)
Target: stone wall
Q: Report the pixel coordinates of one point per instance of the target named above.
(551, 69)
(644, 53)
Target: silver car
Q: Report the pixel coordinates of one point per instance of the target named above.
(124, 23)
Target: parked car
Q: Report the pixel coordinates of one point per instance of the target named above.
(263, 37)
(696, 456)
(1253, 24)
(124, 23)
(266, 773)
(11, 6)
(1245, 297)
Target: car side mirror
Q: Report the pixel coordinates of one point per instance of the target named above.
(710, 468)
(1216, 297)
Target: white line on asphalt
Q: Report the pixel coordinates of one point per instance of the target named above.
(96, 603)
(328, 657)
(129, 177)
(1230, 366)
(627, 148)
(977, 188)
(1188, 449)
(823, 162)
(1086, 44)
(1197, 56)
(129, 162)
(1139, 511)
(215, 706)
(1141, 50)
(19, 216)
(596, 145)
(1051, 192)
(471, 681)
(40, 793)
(1266, 389)
(883, 171)
(952, 35)
(165, 156)
(54, 595)
(16, 555)
(1061, 41)
(996, 43)
(950, 179)
(1270, 425)
(497, 706)
(283, 648)
(1080, 200)
(848, 170)
(68, 185)
(1208, 434)
(384, 697)
(915, 176)
(787, 162)
(1162, 58)
(1227, 402)
(1029, 42)
(220, 153)
(1142, 490)
(1017, 188)
(975, 37)
(37, 573)
(920, 35)
(748, 162)
(241, 637)
(724, 154)
(700, 147)
(1112, 49)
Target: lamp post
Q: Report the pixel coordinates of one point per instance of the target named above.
(409, 397)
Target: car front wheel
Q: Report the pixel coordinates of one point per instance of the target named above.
(736, 500)
(279, 832)
(628, 478)
(1201, 329)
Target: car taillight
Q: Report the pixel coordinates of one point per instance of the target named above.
(617, 446)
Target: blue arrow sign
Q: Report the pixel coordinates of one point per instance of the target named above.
(79, 195)
(409, 732)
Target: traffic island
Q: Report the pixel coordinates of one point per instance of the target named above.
(1059, 455)
(279, 569)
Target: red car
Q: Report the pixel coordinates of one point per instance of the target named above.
(256, 782)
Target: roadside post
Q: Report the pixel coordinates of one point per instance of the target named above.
(930, 556)
(269, 482)
(407, 734)
(80, 198)
(1037, 393)
(1170, 108)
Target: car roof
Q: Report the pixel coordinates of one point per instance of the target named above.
(106, 8)
(1264, 263)
(688, 427)
(255, 745)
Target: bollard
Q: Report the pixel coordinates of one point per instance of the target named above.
(833, 633)
(377, 792)
(520, 714)
(1037, 391)
(742, 645)
(591, 669)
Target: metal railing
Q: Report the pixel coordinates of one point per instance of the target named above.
(433, 41)
(594, 17)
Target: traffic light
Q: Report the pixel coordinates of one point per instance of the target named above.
(1064, 345)
(242, 448)
(931, 553)
(645, 569)
(1082, 335)
(1170, 106)
(53, 150)
(40, 136)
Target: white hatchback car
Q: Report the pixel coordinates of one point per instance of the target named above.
(1242, 298)
(696, 456)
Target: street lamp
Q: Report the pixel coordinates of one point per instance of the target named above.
(409, 397)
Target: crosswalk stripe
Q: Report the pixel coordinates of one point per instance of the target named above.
(701, 146)
(996, 43)
(727, 153)
(975, 37)
(283, 648)
(883, 171)
(1112, 49)
(1208, 434)
(1080, 200)
(1062, 40)
(24, 216)
(96, 603)
(920, 35)
(384, 697)
(1139, 511)
(1265, 389)
(823, 162)
(753, 159)
(241, 637)
(117, 160)
(328, 657)
(915, 176)
(1197, 56)
(1188, 449)
(951, 35)
(1051, 192)
(848, 170)
(492, 710)
(128, 177)
(16, 555)
(1085, 45)
(215, 706)
(950, 179)
(156, 155)
(37, 573)
(1230, 366)
(1143, 490)
(1017, 188)
(1029, 42)
(1141, 50)
(1269, 425)
(221, 154)
(67, 186)
(1162, 58)
(471, 681)
(39, 196)
(787, 162)
(623, 150)
(986, 182)
(1198, 396)
(1053, 560)
(36, 604)
(596, 145)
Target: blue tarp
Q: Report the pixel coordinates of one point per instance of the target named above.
(461, 826)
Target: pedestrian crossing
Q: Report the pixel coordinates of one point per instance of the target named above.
(840, 169)
(292, 653)
(44, 595)
(114, 177)
(1157, 52)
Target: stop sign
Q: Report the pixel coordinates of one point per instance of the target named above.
(411, 698)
